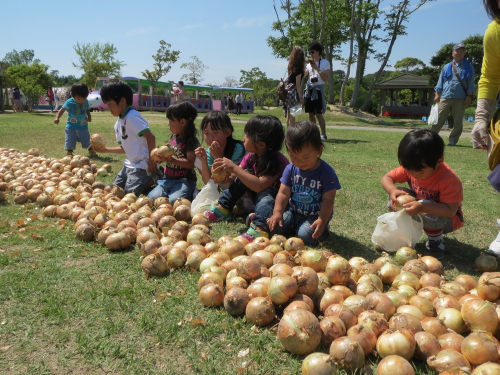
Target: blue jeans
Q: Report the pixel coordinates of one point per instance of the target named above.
(132, 180)
(76, 135)
(173, 189)
(295, 224)
(264, 201)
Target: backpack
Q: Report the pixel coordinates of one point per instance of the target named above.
(494, 141)
(281, 90)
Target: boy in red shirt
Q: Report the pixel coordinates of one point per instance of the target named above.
(432, 182)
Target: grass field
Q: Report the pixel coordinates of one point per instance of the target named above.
(69, 307)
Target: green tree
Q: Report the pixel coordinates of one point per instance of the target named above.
(32, 79)
(196, 69)
(97, 60)
(26, 57)
(163, 59)
(264, 87)
(409, 64)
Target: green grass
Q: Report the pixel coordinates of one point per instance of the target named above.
(73, 307)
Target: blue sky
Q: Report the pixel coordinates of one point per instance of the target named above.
(225, 36)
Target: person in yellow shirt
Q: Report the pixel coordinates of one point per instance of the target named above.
(489, 83)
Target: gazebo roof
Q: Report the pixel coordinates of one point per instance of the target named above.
(405, 81)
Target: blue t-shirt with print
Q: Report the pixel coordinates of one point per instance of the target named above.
(77, 114)
(308, 187)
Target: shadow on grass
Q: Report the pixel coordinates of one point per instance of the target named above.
(345, 141)
(107, 159)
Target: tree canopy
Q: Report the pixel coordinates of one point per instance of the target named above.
(26, 57)
(409, 63)
(32, 79)
(196, 69)
(264, 87)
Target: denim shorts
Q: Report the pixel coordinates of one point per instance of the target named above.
(132, 180)
(76, 135)
(173, 189)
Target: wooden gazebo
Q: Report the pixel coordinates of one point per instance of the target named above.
(422, 96)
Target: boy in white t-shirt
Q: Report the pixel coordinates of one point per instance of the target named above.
(317, 72)
(134, 137)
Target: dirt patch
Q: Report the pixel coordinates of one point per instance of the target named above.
(84, 261)
(338, 109)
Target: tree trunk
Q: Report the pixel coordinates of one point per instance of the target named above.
(351, 51)
(331, 94)
(313, 11)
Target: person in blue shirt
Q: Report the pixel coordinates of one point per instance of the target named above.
(77, 129)
(454, 94)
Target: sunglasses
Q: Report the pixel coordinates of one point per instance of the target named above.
(311, 52)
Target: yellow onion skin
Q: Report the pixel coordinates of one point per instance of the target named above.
(480, 315)
(314, 259)
(302, 298)
(364, 336)
(236, 301)
(404, 254)
(453, 289)
(451, 340)
(487, 369)
(318, 364)
(434, 265)
(332, 328)
(412, 310)
(155, 265)
(485, 263)
(430, 293)
(431, 280)
(424, 305)
(212, 295)
(467, 281)
(452, 318)
(358, 304)
(348, 316)
(347, 354)
(427, 345)
(388, 272)
(260, 311)
(307, 280)
(480, 347)
(406, 278)
(397, 298)
(373, 320)
(403, 321)
(281, 289)
(299, 332)
(416, 267)
(381, 303)
(395, 365)
(434, 326)
(210, 278)
(396, 342)
(296, 305)
(338, 270)
(444, 301)
(446, 360)
(329, 297)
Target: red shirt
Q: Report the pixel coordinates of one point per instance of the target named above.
(444, 186)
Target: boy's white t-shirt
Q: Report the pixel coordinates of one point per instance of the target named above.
(129, 130)
(323, 66)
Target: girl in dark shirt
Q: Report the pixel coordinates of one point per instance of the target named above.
(294, 88)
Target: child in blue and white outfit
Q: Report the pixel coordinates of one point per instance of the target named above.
(304, 204)
(77, 129)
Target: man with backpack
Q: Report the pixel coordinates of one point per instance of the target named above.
(454, 92)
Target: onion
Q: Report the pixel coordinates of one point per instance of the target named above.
(485, 263)
(248, 268)
(358, 304)
(381, 303)
(262, 242)
(365, 288)
(278, 239)
(318, 364)
(260, 311)
(412, 310)
(281, 289)
(358, 262)
(210, 278)
(299, 332)
(338, 270)
(427, 345)
(487, 291)
(265, 258)
(424, 305)
(176, 257)
(447, 359)
(388, 272)
(373, 320)
(273, 249)
(385, 258)
(434, 326)
(150, 247)
(451, 340)
(468, 282)
(294, 244)
(211, 295)
(307, 281)
(369, 269)
(313, 259)
(232, 248)
(332, 328)
(364, 336)
(487, 369)
(407, 291)
(430, 293)
(329, 297)
(396, 342)
(194, 259)
(347, 354)
(405, 321)
(373, 279)
(301, 298)
(281, 270)
(297, 305)
(453, 289)
(348, 316)
(154, 264)
(395, 365)
(468, 297)
(397, 298)
(207, 263)
(235, 282)
(445, 301)
(480, 315)
(416, 267)
(406, 278)
(435, 266)
(236, 300)
(221, 258)
(346, 292)
(404, 254)
(453, 320)
(284, 257)
(85, 232)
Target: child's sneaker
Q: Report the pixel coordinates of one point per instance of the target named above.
(217, 213)
(494, 248)
(435, 248)
(249, 219)
(253, 232)
(70, 153)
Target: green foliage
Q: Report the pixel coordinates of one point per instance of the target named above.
(25, 57)
(32, 79)
(196, 69)
(97, 60)
(264, 88)
(409, 64)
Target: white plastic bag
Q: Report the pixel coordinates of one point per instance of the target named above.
(397, 229)
(206, 198)
(296, 110)
(433, 117)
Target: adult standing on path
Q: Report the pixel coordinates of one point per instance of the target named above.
(230, 103)
(50, 95)
(293, 85)
(318, 71)
(454, 92)
(239, 103)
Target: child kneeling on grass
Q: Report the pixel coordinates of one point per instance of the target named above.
(134, 138)
(77, 129)
(435, 185)
(308, 184)
(258, 174)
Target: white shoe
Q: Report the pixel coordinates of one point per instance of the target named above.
(494, 248)
(323, 138)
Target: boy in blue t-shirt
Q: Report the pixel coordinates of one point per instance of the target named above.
(308, 187)
(77, 129)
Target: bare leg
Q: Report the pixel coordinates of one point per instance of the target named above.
(322, 124)
(292, 120)
(312, 117)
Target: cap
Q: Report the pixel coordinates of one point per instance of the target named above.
(458, 45)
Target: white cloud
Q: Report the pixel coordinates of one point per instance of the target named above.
(247, 22)
(139, 31)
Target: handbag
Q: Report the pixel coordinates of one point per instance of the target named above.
(459, 78)
(281, 90)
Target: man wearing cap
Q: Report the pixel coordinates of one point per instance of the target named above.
(454, 92)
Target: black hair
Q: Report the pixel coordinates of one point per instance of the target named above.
(315, 46)
(181, 83)
(186, 111)
(420, 148)
(219, 120)
(79, 89)
(267, 129)
(301, 134)
(116, 90)
(492, 9)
